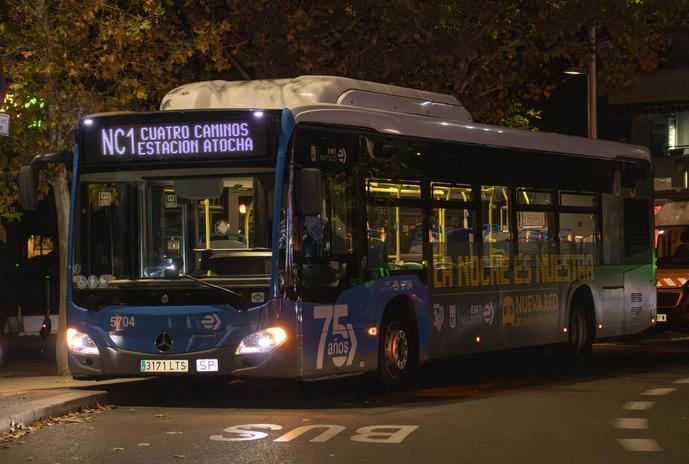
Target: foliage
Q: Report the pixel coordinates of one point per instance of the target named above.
(497, 57)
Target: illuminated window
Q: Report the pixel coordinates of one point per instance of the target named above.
(534, 221)
(395, 226)
(495, 230)
(533, 197)
(38, 245)
(459, 192)
(388, 189)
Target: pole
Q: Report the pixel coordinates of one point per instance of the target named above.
(591, 87)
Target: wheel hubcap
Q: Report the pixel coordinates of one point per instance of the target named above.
(397, 349)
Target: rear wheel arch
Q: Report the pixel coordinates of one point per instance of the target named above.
(581, 323)
(582, 297)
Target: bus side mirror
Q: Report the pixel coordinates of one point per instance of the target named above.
(27, 188)
(309, 192)
(28, 176)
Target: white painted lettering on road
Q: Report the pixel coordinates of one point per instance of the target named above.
(658, 391)
(331, 431)
(638, 405)
(383, 433)
(244, 432)
(631, 423)
(639, 444)
(369, 434)
(682, 381)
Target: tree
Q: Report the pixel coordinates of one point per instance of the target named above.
(499, 57)
(80, 57)
(495, 56)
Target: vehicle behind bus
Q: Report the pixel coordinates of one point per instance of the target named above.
(672, 260)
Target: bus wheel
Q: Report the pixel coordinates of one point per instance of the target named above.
(580, 334)
(397, 357)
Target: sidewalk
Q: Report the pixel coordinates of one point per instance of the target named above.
(30, 390)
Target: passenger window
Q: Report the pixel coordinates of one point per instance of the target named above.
(578, 232)
(395, 227)
(454, 234)
(534, 222)
(453, 224)
(449, 192)
(495, 230)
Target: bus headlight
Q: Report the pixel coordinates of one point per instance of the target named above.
(80, 343)
(264, 341)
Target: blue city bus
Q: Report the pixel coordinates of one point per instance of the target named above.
(318, 227)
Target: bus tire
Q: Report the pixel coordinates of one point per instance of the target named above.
(580, 341)
(397, 354)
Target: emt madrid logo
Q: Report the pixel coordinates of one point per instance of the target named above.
(338, 340)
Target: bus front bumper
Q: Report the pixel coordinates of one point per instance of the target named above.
(221, 361)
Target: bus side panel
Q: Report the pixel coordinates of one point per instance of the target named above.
(639, 299)
(494, 318)
(335, 338)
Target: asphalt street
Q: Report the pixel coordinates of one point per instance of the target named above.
(630, 404)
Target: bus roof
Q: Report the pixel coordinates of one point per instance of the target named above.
(383, 108)
(313, 90)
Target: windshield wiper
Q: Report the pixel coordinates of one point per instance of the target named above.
(208, 284)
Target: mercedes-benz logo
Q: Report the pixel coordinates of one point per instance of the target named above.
(164, 299)
(164, 342)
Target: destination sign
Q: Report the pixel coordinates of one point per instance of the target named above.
(240, 136)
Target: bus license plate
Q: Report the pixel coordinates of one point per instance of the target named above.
(206, 365)
(661, 317)
(164, 365)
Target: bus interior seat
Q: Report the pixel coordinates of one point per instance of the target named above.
(226, 244)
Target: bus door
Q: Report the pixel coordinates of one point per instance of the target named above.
(326, 243)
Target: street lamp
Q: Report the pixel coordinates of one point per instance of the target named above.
(591, 91)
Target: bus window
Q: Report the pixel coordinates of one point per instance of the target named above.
(455, 235)
(534, 222)
(453, 221)
(106, 239)
(578, 229)
(637, 227)
(578, 233)
(495, 230)
(587, 200)
(449, 192)
(326, 238)
(163, 242)
(534, 198)
(394, 226)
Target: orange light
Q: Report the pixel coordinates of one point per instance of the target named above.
(600, 326)
(478, 339)
(373, 331)
(564, 329)
(653, 320)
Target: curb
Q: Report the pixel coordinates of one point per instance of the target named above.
(33, 411)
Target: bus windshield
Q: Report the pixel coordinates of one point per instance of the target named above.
(131, 227)
(672, 246)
